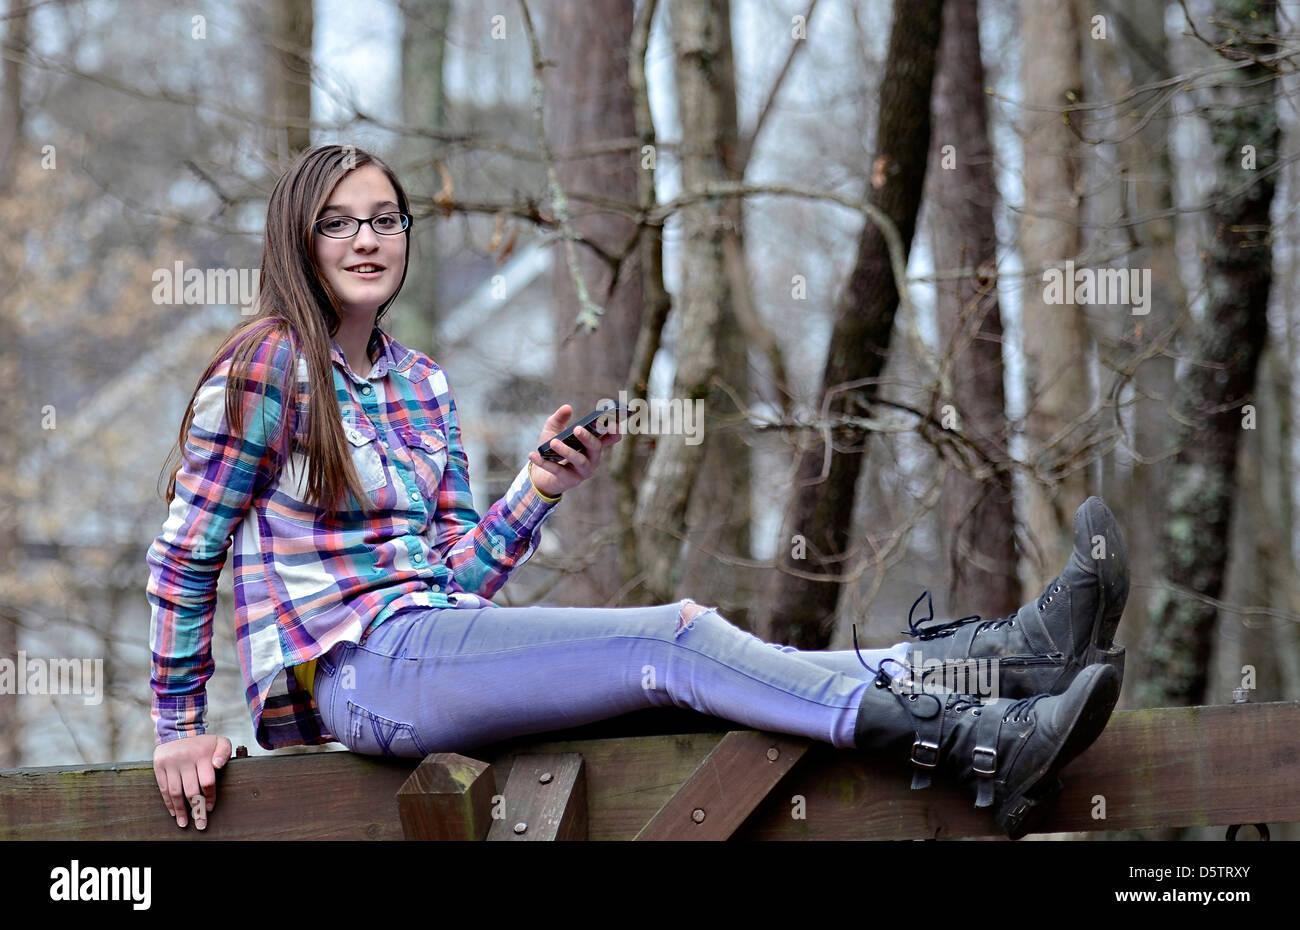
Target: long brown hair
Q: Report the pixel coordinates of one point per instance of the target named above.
(296, 304)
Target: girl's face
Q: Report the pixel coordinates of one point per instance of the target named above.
(363, 193)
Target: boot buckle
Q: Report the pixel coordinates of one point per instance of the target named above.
(990, 754)
(926, 745)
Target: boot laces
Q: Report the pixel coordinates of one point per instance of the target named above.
(956, 704)
(879, 671)
(916, 630)
(1022, 709)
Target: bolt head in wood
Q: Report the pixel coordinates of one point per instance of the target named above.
(698, 815)
(773, 754)
(545, 778)
(521, 827)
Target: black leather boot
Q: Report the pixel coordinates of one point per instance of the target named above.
(1007, 751)
(1044, 645)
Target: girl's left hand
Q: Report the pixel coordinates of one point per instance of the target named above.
(554, 478)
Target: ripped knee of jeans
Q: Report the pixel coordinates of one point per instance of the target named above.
(686, 616)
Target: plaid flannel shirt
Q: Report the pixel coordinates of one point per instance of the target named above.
(304, 582)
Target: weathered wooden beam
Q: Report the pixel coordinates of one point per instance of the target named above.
(310, 796)
(545, 799)
(447, 797)
(726, 787)
(1167, 767)
(298, 795)
(1219, 765)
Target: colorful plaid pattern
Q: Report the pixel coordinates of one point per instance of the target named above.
(304, 581)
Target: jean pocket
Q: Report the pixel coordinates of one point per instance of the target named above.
(428, 451)
(364, 442)
(375, 735)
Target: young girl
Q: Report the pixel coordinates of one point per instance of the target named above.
(330, 456)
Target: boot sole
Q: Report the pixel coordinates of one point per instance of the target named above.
(1112, 656)
(1030, 802)
(1112, 587)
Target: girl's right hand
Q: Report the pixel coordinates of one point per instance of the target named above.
(186, 773)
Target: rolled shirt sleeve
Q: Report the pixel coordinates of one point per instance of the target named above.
(220, 475)
(481, 552)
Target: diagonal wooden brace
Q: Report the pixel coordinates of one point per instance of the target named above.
(545, 799)
(726, 787)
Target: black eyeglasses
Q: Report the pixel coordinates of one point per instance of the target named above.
(345, 227)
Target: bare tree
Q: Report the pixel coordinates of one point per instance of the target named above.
(628, 459)
(590, 100)
(1210, 406)
(978, 515)
(675, 465)
(803, 608)
(288, 79)
(424, 104)
(1055, 337)
(718, 520)
(11, 151)
(1132, 201)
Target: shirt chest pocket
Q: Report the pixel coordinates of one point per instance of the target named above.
(428, 449)
(364, 444)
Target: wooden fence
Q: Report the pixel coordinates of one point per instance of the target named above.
(698, 778)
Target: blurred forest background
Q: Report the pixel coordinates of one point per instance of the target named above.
(828, 219)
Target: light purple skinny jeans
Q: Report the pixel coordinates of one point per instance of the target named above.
(447, 680)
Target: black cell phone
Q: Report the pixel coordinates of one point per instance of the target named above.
(598, 421)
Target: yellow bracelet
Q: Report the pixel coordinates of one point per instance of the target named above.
(549, 500)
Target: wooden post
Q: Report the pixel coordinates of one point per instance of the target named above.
(447, 797)
(546, 799)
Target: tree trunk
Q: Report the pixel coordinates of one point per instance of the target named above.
(424, 104)
(1055, 336)
(589, 100)
(1135, 54)
(978, 516)
(630, 458)
(1262, 567)
(1286, 634)
(703, 302)
(11, 145)
(718, 519)
(288, 80)
(1218, 383)
(803, 609)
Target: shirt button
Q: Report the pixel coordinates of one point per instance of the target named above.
(434, 587)
(415, 495)
(365, 389)
(417, 558)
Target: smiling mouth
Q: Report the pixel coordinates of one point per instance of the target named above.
(366, 269)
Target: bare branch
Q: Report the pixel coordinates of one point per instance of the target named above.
(589, 312)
